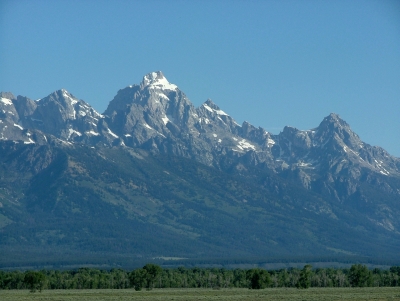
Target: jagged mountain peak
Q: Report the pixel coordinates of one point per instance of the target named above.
(334, 120)
(289, 129)
(156, 80)
(333, 124)
(210, 106)
(7, 95)
(64, 93)
(68, 101)
(61, 96)
(337, 134)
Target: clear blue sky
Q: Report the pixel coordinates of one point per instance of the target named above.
(271, 63)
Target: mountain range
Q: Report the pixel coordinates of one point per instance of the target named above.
(155, 177)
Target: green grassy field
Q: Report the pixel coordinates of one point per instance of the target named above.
(384, 293)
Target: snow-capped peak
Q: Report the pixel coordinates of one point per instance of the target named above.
(156, 80)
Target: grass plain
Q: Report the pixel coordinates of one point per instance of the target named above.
(320, 294)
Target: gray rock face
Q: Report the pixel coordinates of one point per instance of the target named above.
(63, 115)
(159, 117)
(59, 115)
(10, 121)
(155, 108)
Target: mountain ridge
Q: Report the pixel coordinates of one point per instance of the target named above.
(152, 139)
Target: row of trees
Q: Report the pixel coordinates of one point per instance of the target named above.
(153, 276)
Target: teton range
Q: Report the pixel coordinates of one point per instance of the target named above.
(154, 176)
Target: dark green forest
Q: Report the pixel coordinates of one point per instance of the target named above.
(153, 276)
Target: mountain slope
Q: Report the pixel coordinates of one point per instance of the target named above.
(137, 205)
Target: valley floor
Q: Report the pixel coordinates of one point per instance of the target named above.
(371, 293)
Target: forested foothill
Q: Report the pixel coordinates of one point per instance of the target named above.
(153, 276)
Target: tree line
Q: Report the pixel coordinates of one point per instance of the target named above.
(153, 276)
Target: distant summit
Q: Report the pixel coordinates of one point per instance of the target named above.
(156, 80)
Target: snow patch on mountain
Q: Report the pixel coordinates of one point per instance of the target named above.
(219, 112)
(30, 141)
(6, 101)
(92, 133)
(147, 126)
(163, 96)
(72, 131)
(156, 80)
(206, 120)
(243, 144)
(112, 134)
(207, 108)
(68, 96)
(165, 120)
(18, 126)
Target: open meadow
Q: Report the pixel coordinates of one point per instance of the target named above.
(373, 293)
